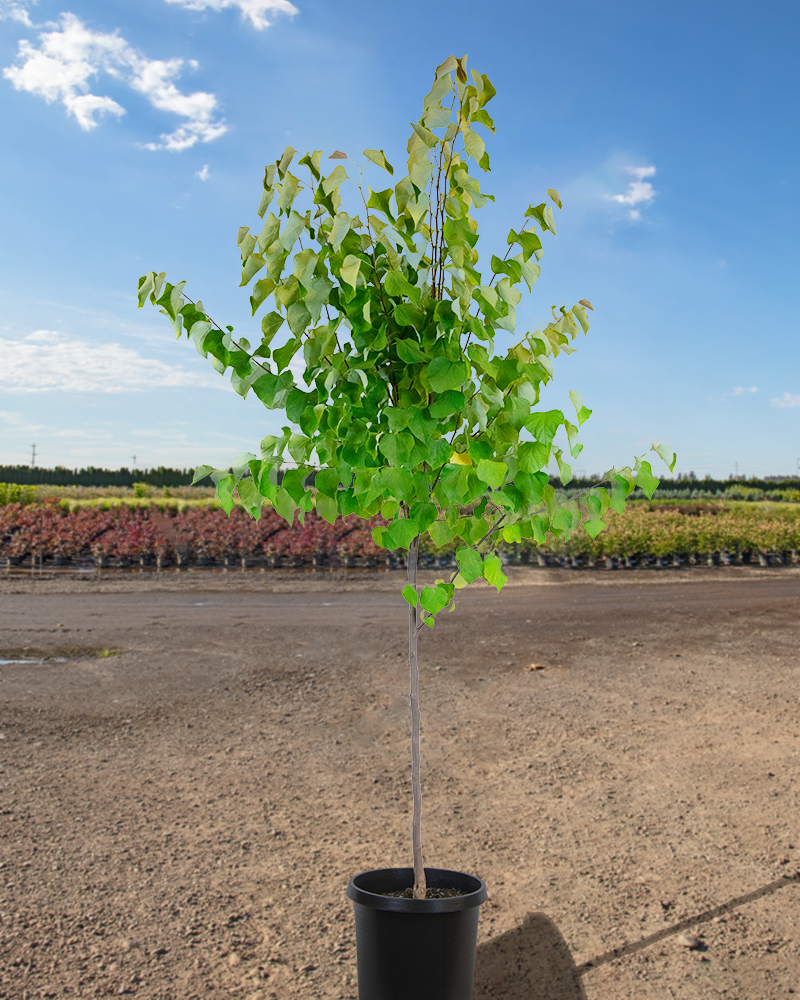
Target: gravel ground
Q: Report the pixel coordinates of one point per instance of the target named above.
(184, 798)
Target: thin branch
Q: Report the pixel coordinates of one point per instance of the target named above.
(234, 342)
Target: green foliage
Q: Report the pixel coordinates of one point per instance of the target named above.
(404, 403)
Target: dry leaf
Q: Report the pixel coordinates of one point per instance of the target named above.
(587, 303)
(536, 666)
(339, 155)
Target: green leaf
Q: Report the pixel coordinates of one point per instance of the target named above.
(544, 425)
(380, 537)
(349, 270)
(479, 356)
(377, 156)
(444, 374)
(406, 314)
(529, 242)
(441, 533)
(646, 480)
(397, 284)
(408, 350)
(334, 180)
(543, 215)
(311, 160)
(283, 355)
(402, 533)
(225, 487)
(470, 564)
(423, 515)
(410, 595)
(446, 403)
(201, 472)
(493, 571)
(327, 508)
(250, 498)
(425, 134)
(530, 271)
(492, 473)
(474, 145)
(382, 201)
(261, 290)
(272, 390)
(555, 196)
(533, 455)
(593, 526)
(252, 266)
(564, 470)
(581, 411)
(270, 324)
(439, 452)
(434, 599)
(667, 454)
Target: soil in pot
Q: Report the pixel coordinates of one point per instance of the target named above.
(446, 892)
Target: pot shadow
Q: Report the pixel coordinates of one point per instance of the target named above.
(530, 962)
(533, 961)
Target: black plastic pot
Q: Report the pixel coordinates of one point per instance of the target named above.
(415, 948)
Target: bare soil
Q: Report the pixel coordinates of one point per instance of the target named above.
(183, 800)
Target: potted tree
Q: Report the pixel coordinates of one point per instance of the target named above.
(407, 407)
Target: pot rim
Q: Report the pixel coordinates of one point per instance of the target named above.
(402, 877)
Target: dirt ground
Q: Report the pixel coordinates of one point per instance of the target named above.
(179, 818)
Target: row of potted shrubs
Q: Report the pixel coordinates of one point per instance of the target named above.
(645, 534)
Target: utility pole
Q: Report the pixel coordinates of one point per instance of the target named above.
(33, 457)
(737, 470)
(134, 461)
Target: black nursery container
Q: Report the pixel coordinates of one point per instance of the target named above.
(415, 949)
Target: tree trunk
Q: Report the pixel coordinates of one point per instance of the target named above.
(420, 888)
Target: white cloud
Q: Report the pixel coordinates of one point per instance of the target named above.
(203, 173)
(639, 191)
(255, 10)
(71, 55)
(740, 390)
(16, 10)
(47, 361)
(787, 400)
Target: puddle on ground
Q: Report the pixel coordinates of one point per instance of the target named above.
(60, 659)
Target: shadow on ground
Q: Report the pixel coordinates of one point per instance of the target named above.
(530, 962)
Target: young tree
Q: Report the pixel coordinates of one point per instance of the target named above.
(403, 406)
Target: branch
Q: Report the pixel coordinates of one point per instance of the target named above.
(235, 342)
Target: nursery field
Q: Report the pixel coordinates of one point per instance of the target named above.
(114, 532)
(183, 802)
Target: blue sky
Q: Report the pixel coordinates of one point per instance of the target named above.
(135, 138)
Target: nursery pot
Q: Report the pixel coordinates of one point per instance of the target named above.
(415, 948)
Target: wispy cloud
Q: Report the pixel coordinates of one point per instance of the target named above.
(742, 390)
(71, 55)
(16, 10)
(787, 400)
(255, 10)
(47, 361)
(203, 173)
(639, 191)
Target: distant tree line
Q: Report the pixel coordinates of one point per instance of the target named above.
(25, 476)
(682, 484)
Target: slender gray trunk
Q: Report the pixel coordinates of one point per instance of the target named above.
(420, 887)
